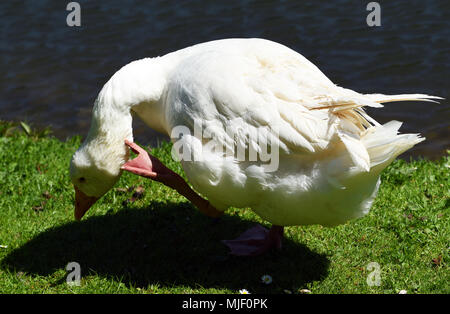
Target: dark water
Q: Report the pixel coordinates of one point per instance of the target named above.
(51, 73)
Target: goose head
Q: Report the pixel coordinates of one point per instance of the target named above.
(94, 170)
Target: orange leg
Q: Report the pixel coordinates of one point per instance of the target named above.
(151, 167)
(256, 241)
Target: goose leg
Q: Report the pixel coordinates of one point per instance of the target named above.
(256, 241)
(151, 167)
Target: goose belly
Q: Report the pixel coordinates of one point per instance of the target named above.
(327, 205)
(292, 195)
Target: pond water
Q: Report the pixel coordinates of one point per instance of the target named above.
(52, 73)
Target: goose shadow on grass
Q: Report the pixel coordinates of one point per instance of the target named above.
(166, 244)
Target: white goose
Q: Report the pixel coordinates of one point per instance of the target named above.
(326, 153)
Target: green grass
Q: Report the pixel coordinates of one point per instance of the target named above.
(160, 243)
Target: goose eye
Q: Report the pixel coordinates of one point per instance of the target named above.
(82, 180)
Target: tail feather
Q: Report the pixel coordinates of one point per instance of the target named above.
(352, 100)
(381, 98)
(384, 144)
(370, 144)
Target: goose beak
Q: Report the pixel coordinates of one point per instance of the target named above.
(82, 203)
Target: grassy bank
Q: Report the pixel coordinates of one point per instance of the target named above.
(144, 238)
